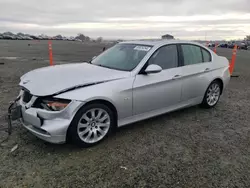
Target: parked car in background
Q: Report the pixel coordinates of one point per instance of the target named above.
(223, 45)
(27, 38)
(78, 40)
(71, 38)
(231, 45)
(129, 82)
(211, 45)
(19, 37)
(24, 38)
(242, 46)
(34, 37)
(8, 37)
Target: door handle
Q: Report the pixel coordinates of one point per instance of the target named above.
(207, 69)
(176, 77)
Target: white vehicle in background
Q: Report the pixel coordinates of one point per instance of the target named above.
(129, 82)
(78, 40)
(71, 38)
(27, 38)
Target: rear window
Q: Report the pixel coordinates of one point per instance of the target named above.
(192, 54)
(206, 56)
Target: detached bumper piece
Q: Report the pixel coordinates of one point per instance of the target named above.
(14, 113)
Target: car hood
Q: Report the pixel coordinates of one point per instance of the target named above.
(60, 78)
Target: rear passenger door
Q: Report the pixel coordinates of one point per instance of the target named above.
(196, 72)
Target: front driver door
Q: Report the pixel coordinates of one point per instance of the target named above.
(159, 90)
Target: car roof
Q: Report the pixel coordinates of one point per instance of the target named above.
(158, 42)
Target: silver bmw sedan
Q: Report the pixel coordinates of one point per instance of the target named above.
(129, 82)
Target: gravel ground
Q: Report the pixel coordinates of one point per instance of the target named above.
(193, 147)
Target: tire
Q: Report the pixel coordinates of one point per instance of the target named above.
(91, 125)
(212, 95)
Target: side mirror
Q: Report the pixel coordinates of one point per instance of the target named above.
(151, 69)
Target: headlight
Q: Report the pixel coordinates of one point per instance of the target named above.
(55, 104)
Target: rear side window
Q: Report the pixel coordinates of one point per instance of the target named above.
(192, 54)
(166, 57)
(206, 55)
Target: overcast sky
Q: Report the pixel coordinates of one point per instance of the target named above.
(129, 19)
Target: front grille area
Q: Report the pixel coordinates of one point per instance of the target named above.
(26, 96)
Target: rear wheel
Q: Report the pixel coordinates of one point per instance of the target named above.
(212, 95)
(91, 125)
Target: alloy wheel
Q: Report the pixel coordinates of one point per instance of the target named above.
(93, 125)
(213, 94)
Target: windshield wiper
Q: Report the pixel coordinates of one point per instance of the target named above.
(102, 66)
(112, 68)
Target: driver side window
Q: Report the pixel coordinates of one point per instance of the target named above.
(166, 57)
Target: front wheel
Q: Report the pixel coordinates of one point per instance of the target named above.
(91, 125)
(212, 95)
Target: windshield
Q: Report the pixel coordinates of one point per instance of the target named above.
(123, 57)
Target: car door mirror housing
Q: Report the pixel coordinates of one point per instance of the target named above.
(152, 69)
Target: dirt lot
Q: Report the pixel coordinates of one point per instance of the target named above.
(189, 148)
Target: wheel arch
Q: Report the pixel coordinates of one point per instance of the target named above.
(221, 83)
(107, 103)
(219, 80)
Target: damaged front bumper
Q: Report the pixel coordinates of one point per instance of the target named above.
(50, 126)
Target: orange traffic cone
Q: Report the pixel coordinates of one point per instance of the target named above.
(215, 48)
(50, 53)
(232, 63)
